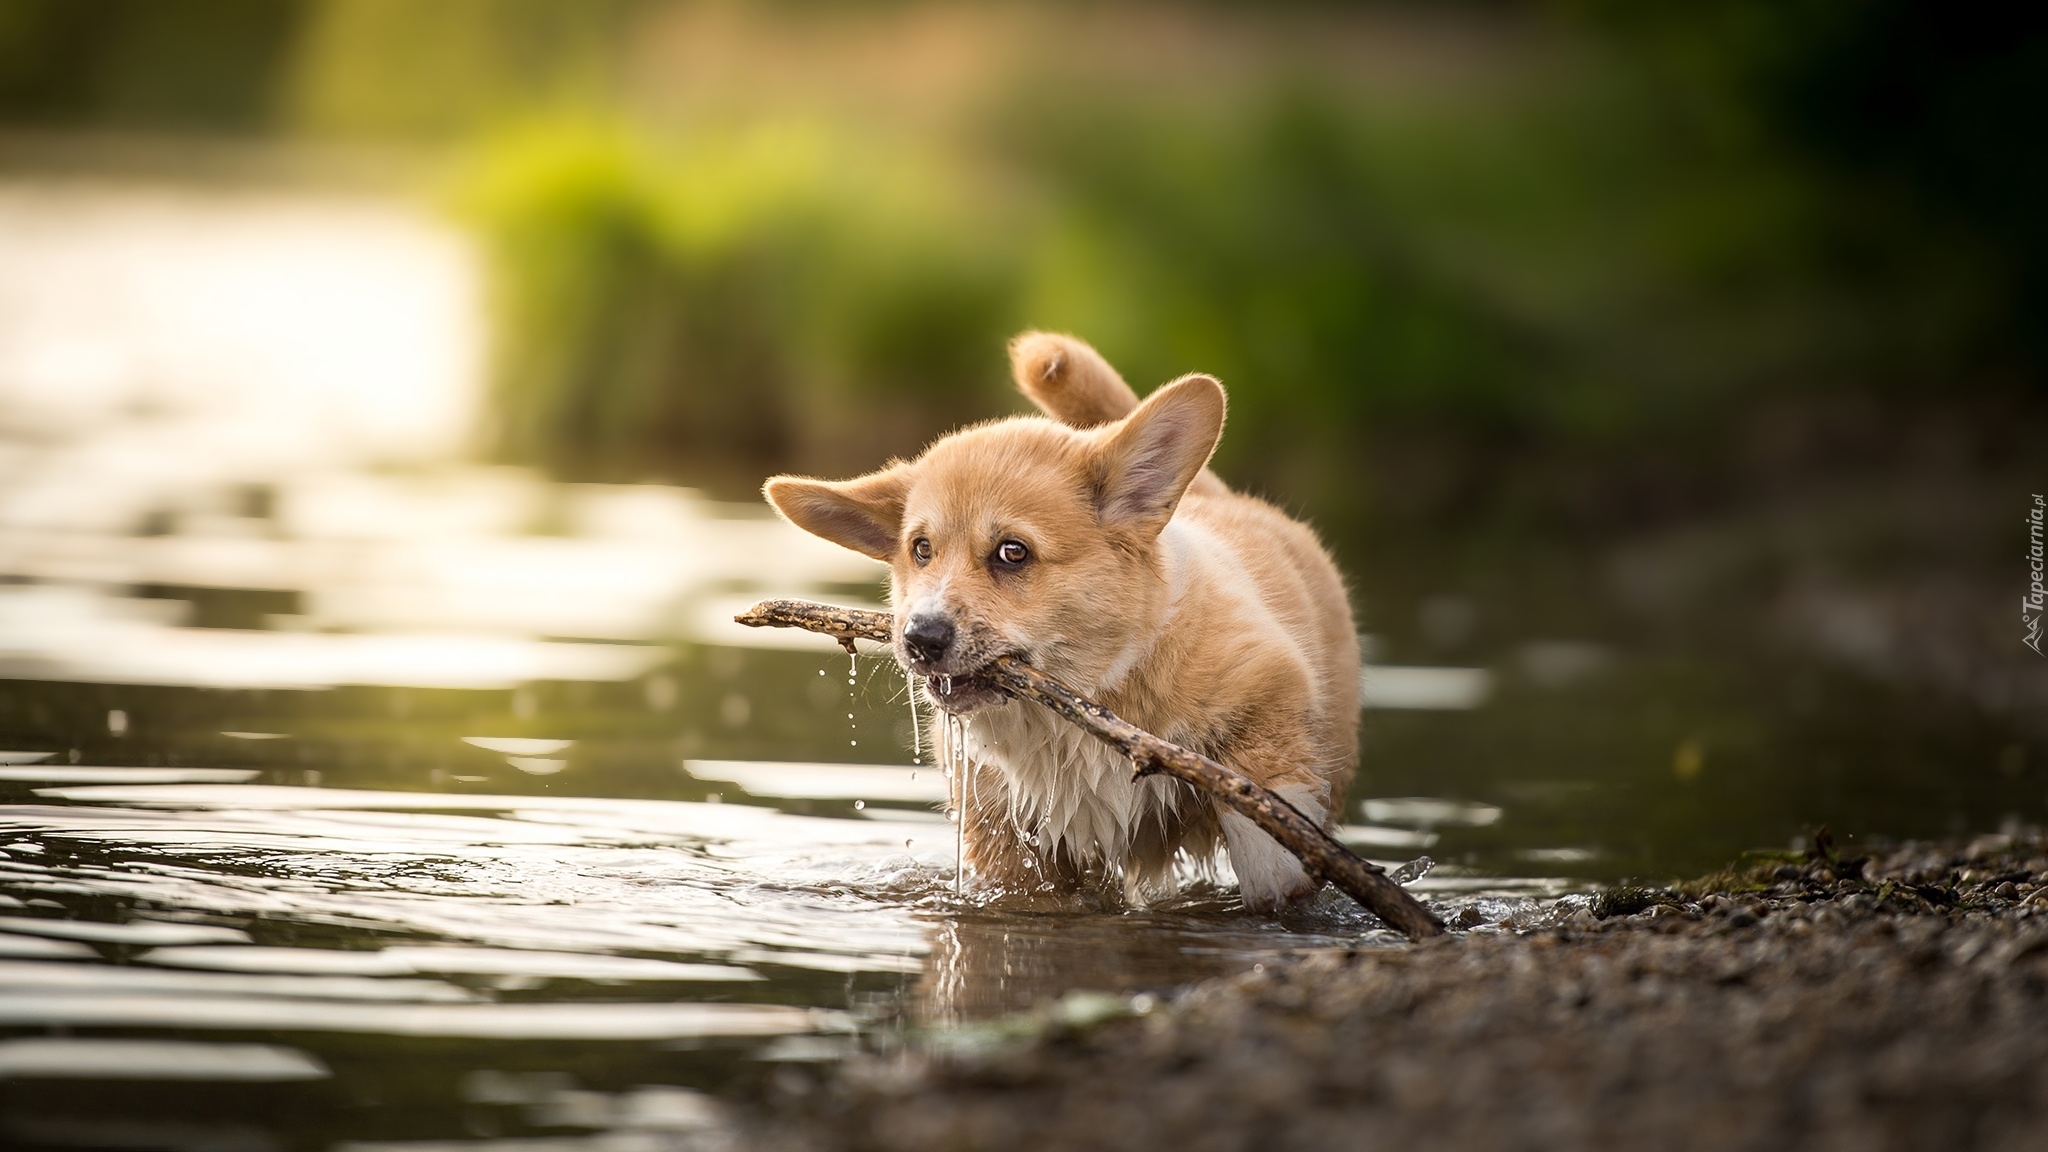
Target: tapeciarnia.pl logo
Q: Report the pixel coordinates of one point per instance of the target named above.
(2037, 596)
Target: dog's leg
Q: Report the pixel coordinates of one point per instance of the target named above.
(1269, 876)
(1275, 746)
(995, 852)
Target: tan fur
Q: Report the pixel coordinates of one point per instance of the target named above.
(1073, 384)
(1206, 616)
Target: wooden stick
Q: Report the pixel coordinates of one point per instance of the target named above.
(1320, 854)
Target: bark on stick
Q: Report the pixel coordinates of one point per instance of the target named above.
(1320, 854)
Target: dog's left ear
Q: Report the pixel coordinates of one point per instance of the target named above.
(1147, 461)
(864, 514)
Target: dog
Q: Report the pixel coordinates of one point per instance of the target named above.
(1094, 543)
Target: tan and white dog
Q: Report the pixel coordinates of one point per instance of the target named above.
(1097, 546)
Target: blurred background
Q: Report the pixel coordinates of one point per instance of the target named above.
(386, 387)
(1712, 336)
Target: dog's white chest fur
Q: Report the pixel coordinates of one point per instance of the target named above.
(1068, 793)
(1063, 787)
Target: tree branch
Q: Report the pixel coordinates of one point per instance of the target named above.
(1320, 854)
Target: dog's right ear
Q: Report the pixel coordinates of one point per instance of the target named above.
(864, 514)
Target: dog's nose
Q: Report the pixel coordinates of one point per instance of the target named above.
(928, 637)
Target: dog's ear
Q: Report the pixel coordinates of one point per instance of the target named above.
(1147, 461)
(864, 514)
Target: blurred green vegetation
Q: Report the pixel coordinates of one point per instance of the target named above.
(1528, 270)
(716, 309)
(789, 297)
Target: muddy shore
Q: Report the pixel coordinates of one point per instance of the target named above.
(1886, 1002)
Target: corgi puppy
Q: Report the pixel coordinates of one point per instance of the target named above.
(1097, 546)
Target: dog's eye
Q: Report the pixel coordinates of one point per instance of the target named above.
(1012, 552)
(921, 550)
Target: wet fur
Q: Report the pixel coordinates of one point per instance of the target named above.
(1208, 617)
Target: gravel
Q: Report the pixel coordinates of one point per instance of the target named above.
(1893, 1002)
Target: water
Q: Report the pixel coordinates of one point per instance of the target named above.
(351, 795)
(376, 921)
(372, 950)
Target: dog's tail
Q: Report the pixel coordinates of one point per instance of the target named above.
(1073, 384)
(1068, 380)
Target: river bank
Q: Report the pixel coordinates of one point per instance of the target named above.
(1898, 1000)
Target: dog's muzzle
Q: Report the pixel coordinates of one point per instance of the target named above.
(928, 639)
(930, 645)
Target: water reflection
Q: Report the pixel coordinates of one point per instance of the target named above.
(989, 961)
(232, 428)
(53, 1057)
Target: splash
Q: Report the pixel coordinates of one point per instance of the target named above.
(1412, 871)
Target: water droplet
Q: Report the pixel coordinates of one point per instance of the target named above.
(860, 805)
